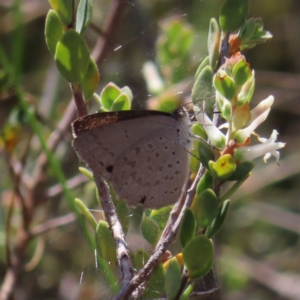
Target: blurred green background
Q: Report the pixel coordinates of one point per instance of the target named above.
(258, 253)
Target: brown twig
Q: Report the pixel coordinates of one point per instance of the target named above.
(167, 237)
(113, 20)
(124, 262)
(74, 182)
(79, 100)
(54, 223)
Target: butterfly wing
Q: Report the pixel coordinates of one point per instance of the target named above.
(145, 157)
(152, 172)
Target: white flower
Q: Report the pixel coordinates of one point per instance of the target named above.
(267, 148)
(216, 137)
(258, 116)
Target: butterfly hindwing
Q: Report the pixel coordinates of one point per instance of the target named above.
(143, 157)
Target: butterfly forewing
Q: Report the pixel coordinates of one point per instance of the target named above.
(145, 158)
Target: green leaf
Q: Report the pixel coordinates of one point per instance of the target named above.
(149, 230)
(218, 222)
(123, 213)
(173, 279)
(140, 257)
(53, 30)
(188, 227)
(213, 43)
(64, 9)
(156, 283)
(242, 170)
(127, 91)
(90, 81)
(247, 90)
(206, 182)
(4, 81)
(105, 243)
(205, 207)
(185, 295)
(167, 104)
(136, 216)
(233, 14)
(161, 216)
(121, 103)
(203, 63)
(248, 29)
(84, 15)
(198, 256)
(86, 212)
(225, 85)
(224, 167)
(241, 72)
(86, 172)
(206, 154)
(198, 129)
(194, 159)
(109, 94)
(203, 88)
(72, 56)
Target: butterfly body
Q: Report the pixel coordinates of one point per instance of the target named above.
(144, 154)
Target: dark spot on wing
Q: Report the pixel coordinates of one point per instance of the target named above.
(110, 168)
(142, 201)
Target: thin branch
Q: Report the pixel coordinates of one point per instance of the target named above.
(113, 20)
(57, 135)
(79, 100)
(224, 50)
(74, 182)
(167, 237)
(54, 223)
(124, 263)
(25, 206)
(9, 282)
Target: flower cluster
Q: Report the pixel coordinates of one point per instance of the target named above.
(234, 84)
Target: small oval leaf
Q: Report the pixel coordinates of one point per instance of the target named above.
(205, 207)
(105, 243)
(188, 227)
(121, 103)
(156, 283)
(161, 216)
(242, 170)
(225, 85)
(123, 213)
(84, 15)
(173, 279)
(203, 88)
(198, 256)
(218, 222)
(140, 257)
(206, 182)
(203, 63)
(233, 14)
(108, 95)
(86, 212)
(241, 72)
(64, 9)
(149, 230)
(206, 154)
(72, 56)
(53, 30)
(213, 43)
